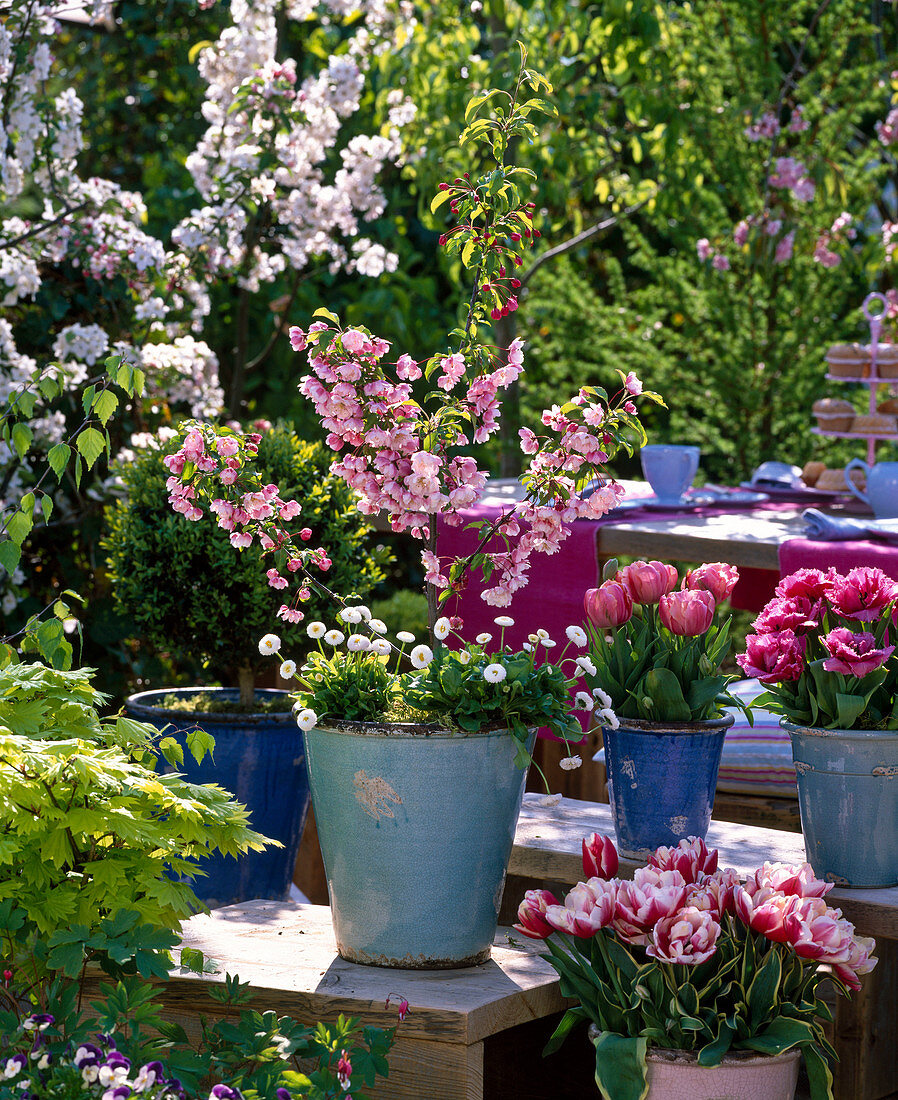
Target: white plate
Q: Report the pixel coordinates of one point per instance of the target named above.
(799, 494)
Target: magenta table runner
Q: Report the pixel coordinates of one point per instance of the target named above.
(843, 555)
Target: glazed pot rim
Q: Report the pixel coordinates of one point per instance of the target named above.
(405, 729)
(706, 725)
(848, 735)
(142, 704)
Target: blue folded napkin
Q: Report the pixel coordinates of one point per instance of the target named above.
(818, 525)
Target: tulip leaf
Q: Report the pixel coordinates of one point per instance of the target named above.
(712, 1053)
(620, 1067)
(663, 688)
(848, 709)
(820, 1079)
(763, 992)
(782, 1034)
(569, 1020)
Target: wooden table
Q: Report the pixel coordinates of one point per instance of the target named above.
(547, 849)
(472, 1033)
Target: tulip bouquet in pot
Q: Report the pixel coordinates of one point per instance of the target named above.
(656, 648)
(693, 958)
(824, 650)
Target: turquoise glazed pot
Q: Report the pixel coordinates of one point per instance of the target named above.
(259, 758)
(661, 780)
(416, 826)
(848, 799)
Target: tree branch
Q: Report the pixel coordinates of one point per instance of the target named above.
(43, 226)
(580, 238)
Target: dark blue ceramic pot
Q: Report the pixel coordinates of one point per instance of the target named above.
(661, 780)
(260, 759)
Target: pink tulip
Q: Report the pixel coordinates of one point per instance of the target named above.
(797, 613)
(862, 594)
(815, 931)
(688, 936)
(714, 893)
(690, 857)
(764, 913)
(647, 582)
(600, 858)
(588, 908)
(809, 584)
(773, 658)
(787, 879)
(532, 914)
(715, 577)
(853, 654)
(687, 613)
(641, 903)
(860, 960)
(608, 606)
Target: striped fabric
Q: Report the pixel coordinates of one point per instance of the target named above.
(756, 759)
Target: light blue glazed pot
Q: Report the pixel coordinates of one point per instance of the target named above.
(661, 780)
(416, 826)
(848, 799)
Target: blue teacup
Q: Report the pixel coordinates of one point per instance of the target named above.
(669, 468)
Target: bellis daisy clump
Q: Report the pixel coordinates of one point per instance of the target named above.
(824, 649)
(691, 957)
(355, 673)
(655, 649)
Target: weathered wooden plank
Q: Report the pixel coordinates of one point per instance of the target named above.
(865, 1033)
(424, 1070)
(286, 952)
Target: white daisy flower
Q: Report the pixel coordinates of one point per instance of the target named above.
(576, 635)
(550, 800)
(421, 656)
(602, 698)
(586, 665)
(306, 719)
(582, 701)
(381, 647)
(542, 633)
(350, 615)
(548, 643)
(298, 706)
(334, 637)
(569, 763)
(441, 629)
(316, 630)
(608, 718)
(527, 647)
(358, 643)
(464, 657)
(484, 638)
(533, 638)
(288, 670)
(377, 626)
(405, 636)
(494, 674)
(269, 643)
(503, 620)
(363, 611)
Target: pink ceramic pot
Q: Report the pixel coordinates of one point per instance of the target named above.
(675, 1075)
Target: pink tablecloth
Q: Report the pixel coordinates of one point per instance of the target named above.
(819, 554)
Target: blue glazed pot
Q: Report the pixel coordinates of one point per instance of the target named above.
(259, 758)
(661, 780)
(416, 826)
(848, 799)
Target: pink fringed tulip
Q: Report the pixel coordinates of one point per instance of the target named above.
(688, 936)
(809, 584)
(599, 856)
(608, 606)
(687, 613)
(796, 613)
(691, 858)
(717, 577)
(648, 581)
(773, 658)
(853, 653)
(532, 914)
(862, 594)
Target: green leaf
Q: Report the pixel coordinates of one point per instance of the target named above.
(47, 506)
(21, 439)
(572, 1017)
(192, 959)
(58, 458)
(171, 750)
(439, 198)
(91, 445)
(820, 1078)
(322, 312)
(10, 555)
(762, 993)
(105, 404)
(782, 1034)
(199, 743)
(19, 527)
(620, 1067)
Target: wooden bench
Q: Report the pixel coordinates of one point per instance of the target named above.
(470, 1033)
(547, 852)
